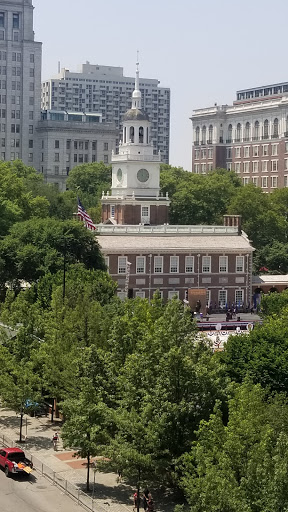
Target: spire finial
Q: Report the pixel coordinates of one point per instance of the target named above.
(136, 97)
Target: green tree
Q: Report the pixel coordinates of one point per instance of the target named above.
(241, 465)
(36, 247)
(203, 199)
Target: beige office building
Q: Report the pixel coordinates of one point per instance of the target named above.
(249, 137)
(68, 139)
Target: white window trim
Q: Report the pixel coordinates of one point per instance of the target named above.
(122, 266)
(226, 265)
(222, 303)
(242, 300)
(155, 259)
(206, 271)
(144, 265)
(172, 294)
(189, 266)
(238, 266)
(176, 258)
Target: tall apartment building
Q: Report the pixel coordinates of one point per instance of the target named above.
(105, 89)
(20, 82)
(249, 137)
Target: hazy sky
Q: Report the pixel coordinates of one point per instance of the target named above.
(203, 50)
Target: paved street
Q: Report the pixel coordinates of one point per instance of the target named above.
(33, 495)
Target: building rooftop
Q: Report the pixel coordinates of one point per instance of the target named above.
(270, 279)
(169, 243)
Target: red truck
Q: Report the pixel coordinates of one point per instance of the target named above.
(13, 460)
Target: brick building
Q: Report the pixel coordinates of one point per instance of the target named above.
(249, 137)
(144, 253)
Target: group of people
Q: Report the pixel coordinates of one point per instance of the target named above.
(147, 500)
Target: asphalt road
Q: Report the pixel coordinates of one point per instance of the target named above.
(35, 494)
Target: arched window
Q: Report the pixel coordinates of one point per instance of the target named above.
(230, 130)
(210, 134)
(247, 132)
(141, 135)
(256, 130)
(266, 129)
(197, 135)
(275, 128)
(125, 135)
(238, 132)
(204, 137)
(131, 134)
(147, 136)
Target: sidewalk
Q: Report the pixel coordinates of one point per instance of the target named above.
(109, 495)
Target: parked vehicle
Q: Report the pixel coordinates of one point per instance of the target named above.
(13, 460)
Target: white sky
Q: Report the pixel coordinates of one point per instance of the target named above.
(204, 50)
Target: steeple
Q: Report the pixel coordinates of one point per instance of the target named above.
(136, 96)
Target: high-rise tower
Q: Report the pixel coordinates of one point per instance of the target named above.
(135, 197)
(20, 82)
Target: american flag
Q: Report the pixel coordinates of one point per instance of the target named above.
(83, 215)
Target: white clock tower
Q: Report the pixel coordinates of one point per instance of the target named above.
(135, 196)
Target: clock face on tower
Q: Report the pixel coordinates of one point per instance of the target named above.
(143, 175)
(119, 175)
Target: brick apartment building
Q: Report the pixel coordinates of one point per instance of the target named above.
(143, 252)
(249, 137)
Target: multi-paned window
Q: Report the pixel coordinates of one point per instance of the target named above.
(197, 154)
(208, 297)
(246, 167)
(122, 264)
(255, 181)
(274, 165)
(246, 151)
(174, 264)
(197, 168)
(237, 167)
(206, 264)
(140, 264)
(140, 294)
(223, 263)
(264, 165)
(239, 297)
(222, 298)
(210, 153)
(240, 264)
(285, 180)
(112, 211)
(158, 265)
(238, 152)
(264, 182)
(265, 150)
(189, 264)
(255, 150)
(246, 181)
(274, 149)
(172, 294)
(106, 261)
(274, 181)
(255, 166)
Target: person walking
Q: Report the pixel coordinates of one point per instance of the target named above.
(55, 440)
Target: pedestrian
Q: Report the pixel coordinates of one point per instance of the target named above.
(55, 440)
(150, 504)
(145, 502)
(135, 498)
